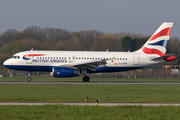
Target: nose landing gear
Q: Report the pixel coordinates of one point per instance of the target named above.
(29, 78)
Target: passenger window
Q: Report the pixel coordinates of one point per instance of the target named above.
(56, 57)
(69, 58)
(62, 57)
(65, 58)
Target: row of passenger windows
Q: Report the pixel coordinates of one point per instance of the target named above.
(80, 58)
(88, 58)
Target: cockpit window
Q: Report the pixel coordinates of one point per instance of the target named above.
(16, 57)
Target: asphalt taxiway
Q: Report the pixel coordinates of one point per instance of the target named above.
(91, 82)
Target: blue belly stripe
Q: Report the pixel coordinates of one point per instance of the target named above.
(49, 68)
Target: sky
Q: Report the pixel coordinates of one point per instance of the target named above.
(108, 16)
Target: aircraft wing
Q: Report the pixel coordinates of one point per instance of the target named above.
(90, 64)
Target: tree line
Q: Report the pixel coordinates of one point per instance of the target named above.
(13, 41)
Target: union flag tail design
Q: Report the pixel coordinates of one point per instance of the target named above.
(157, 43)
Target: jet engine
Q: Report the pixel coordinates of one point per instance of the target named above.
(64, 72)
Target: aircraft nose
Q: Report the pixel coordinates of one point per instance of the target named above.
(7, 62)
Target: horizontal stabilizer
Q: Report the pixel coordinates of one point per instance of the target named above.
(162, 57)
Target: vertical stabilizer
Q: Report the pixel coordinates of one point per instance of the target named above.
(157, 43)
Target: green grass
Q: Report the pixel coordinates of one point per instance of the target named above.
(104, 93)
(65, 112)
(77, 93)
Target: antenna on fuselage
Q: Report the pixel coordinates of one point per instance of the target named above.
(107, 50)
(32, 49)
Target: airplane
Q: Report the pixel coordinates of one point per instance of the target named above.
(75, 63)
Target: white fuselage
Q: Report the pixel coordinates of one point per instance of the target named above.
(45, 60)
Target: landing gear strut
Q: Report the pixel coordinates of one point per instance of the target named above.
(85, 79)
(29, 78)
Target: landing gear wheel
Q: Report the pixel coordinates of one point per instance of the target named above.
(85, 79)
(29, 79)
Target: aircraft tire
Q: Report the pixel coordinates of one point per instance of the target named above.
(29, 79)
(85, 79)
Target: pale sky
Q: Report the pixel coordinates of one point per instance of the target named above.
(113, 16)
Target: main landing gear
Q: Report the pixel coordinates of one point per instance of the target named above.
(29, 78)
(85, 79)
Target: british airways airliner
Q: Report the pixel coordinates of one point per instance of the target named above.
(75, 63)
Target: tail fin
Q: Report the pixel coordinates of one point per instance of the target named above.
(157, 43)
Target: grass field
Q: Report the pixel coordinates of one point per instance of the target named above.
(102, 93)
(65, 112)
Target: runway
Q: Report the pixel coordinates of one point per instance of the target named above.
(91, 82)
(100, 104)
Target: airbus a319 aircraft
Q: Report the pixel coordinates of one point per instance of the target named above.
(75, 63)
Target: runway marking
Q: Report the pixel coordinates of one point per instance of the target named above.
(78, 82)
(100, 104)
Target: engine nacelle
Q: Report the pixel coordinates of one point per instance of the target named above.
(64, 72)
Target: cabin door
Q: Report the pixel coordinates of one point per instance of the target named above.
(136, 59)
(28, 57)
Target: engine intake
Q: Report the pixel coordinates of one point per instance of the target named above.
(64, 72)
